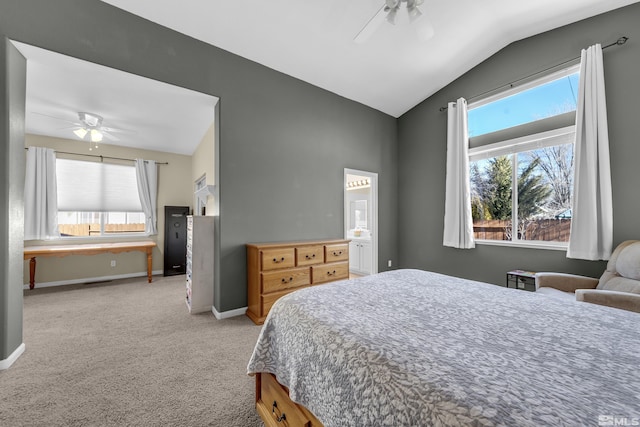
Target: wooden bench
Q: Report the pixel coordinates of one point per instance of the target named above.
(31, 252)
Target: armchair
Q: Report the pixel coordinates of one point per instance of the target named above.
(619, 285)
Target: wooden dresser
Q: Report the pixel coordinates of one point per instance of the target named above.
(276, 269)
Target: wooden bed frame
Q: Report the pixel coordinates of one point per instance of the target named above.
(276, 408)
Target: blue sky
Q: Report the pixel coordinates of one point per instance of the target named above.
(556, 97)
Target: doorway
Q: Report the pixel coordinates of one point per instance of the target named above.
(361, 220)
(170, 123)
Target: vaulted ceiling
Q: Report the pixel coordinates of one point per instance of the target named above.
(395, 68)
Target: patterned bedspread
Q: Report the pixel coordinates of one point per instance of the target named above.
(413, 348)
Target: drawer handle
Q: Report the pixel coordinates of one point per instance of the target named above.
(311, 257)
(337, 253)
(284, 280)
(276, 260)
(280, 418)
(329, 273)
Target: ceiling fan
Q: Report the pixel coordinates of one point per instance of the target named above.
(389, 12)
(90, 128)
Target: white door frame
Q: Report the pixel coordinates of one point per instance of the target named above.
(374, 211)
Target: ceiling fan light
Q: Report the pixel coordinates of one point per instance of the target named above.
(96, 135)
(81, 133)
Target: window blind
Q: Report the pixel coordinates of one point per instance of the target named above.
(96, 187)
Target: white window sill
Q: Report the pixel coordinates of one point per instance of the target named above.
(554, 246)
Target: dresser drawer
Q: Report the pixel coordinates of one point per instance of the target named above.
(329, 272)
(279, 280)
(269, 299)
(276, 404)
(339, 252)
(309, 255)
(275, 259)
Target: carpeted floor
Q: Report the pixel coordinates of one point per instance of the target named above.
(128, 353)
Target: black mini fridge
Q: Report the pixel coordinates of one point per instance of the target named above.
(175, 239)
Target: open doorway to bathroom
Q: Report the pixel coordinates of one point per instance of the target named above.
(361, 220)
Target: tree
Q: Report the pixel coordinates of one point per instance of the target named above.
(479, 211)
(532, 191)
(532, 196)
(557, 165)
(491, 190)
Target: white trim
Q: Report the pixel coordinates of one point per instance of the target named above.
(197, 310)
(204, 192)
(6, 363)
(530, 244)
(91, 279)
(230, 313)
(550, 138)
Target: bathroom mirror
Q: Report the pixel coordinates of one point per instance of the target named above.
(358, 215)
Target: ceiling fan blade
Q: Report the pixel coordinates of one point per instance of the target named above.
(109, 136)
(74, 126)
(116, 130)
(371, 26)
(57, 118)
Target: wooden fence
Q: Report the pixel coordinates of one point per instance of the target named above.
(94, 229)
(548, 230)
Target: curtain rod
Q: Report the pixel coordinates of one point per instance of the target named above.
(102, 157)
(622, 40)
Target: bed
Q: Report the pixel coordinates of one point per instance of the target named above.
(415, 348)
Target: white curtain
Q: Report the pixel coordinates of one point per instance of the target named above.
(458, 224)
(592, 210)
(40, 195)
(147, 176)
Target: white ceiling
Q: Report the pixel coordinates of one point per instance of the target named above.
(396, 68)
(157, 116)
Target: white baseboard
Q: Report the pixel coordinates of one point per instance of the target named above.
(4, 364)
(229, 313)
(93, 279)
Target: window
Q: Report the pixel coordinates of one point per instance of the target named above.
(521, 162)
(525, 104)
(97, 199)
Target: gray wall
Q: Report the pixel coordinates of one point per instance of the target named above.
(283, 143)
(12, 89)
(422, 149)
